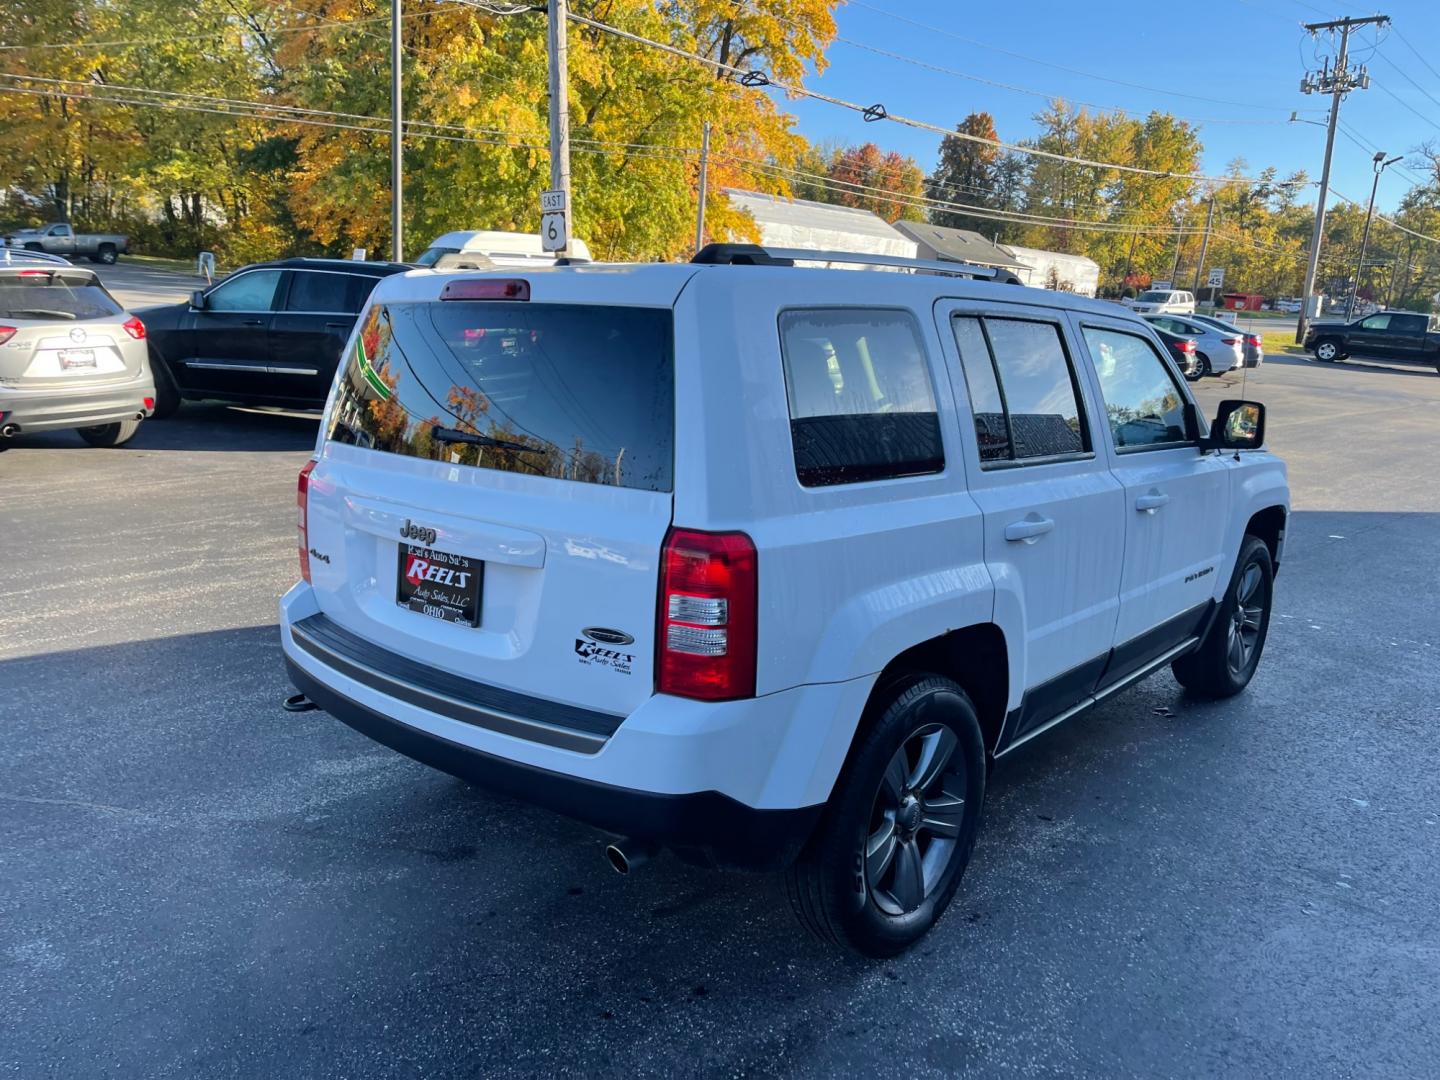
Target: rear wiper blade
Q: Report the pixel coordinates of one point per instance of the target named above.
(455, 435)
(15, 313)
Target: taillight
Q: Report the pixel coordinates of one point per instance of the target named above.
(1186, 346)
(1253, 340)
(135, 328)
(1229, 341)
(707, 625)
(6, 333)
(302, 499)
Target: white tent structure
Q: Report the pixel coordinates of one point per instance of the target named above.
(799, 223)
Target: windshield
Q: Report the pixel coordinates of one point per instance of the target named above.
(430, 256)
(40, 294)
(574, 392)
(1155, 297)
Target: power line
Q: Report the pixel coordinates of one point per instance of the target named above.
(329, 25)
(1390, 221)
(1418, 54)
(756, 79)
(1059, 67)
(1379, 85)
(1406, 76)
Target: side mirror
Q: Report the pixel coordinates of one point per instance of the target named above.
(197, 299)
(1238, 425)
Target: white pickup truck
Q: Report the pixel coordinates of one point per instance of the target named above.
(58, 238)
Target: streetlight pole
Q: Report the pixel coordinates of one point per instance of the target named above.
(1338, 82)
(1380, 166)
(397, 136)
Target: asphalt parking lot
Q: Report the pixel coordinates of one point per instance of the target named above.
(196, 883)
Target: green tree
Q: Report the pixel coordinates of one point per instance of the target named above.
(968, 172)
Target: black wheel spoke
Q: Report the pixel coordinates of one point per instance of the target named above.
(892, 784)
(909, 886)
(943, 815)
(879, 852)
(935, 752)
(1249, 582)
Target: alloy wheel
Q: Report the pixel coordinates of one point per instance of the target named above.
(1327, 350)
(1244, 630)
(916, 821)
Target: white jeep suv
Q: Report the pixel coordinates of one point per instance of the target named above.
(766, 565)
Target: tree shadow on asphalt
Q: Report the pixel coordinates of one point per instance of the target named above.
(202, 426)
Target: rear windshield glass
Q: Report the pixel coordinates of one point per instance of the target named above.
(575, 392)
(52, 297)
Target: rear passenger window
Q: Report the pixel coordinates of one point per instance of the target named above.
(861, 403)
(1022, 389)
(317, 292)
(1142, 399)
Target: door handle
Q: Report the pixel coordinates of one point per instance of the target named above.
(337, 326)
(1151, 501)
(254, 322)
(1028, 529)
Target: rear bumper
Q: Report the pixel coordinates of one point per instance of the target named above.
(738, 783)
(51, 409)
(705, 827)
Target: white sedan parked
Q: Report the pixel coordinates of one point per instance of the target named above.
(1216, 350)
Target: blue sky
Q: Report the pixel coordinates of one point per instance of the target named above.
(1245, 56)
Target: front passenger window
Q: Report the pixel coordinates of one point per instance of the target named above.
(254, 291)
(1142, 399)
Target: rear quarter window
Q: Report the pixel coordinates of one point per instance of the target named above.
(573, 392)
(862, 406)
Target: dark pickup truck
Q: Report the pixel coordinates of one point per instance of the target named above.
(1394, 335)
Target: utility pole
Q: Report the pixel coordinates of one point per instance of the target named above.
(1337, 82)
(560, 109)
(397, 138)
(1205, 243)
(1380, 166)
(704, 178)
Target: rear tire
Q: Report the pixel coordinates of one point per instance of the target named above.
(1225, 661)
(167, 394)
(107, 254)
(900, 825)
(116, 434)
(1204, 362)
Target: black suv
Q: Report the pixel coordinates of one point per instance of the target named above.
(1396, 335)
(269, 334)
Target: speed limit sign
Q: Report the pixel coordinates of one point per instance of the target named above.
(554, 228)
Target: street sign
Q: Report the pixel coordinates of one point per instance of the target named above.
(554, 228)
(1160, 286)
(1216, 279)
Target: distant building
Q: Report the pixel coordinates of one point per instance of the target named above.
(800, 223)
(1056, 270)
(942, 243)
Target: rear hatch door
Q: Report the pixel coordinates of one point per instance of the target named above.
(495, 485)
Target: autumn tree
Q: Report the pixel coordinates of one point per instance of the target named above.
(885, 183)
(968, 172)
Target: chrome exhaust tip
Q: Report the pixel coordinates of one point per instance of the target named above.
(625, 855)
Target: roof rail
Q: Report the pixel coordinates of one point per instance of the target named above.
(755, 255)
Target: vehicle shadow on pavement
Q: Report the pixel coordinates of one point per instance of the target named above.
(203, 426)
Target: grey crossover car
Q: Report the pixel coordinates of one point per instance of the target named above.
(70, 355)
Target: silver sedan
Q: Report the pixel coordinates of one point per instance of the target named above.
(1216, 350)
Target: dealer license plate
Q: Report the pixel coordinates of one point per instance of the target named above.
(439, 584)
